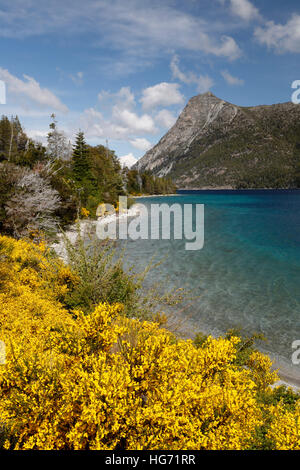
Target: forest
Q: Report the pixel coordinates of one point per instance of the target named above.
(44, 186)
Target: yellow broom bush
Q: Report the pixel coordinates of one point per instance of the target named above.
(104, 381)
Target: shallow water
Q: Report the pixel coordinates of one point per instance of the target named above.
(247, 274)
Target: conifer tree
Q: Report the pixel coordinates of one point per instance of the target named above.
(83, 176)
(13, 139)
(81, 164)
(5, 133)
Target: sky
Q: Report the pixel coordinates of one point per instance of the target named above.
(122, 71)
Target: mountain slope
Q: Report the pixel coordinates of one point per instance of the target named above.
(215, 143)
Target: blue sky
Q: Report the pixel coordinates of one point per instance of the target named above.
(123, 70)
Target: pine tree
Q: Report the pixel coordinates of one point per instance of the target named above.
(35, 152)
(81, 164)
(87, 185)
(13, 139)
(5, 135)
(20, 136)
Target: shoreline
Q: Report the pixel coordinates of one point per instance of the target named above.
(285, 380)
(153, 195)
(279, 364)
(85, 225)
(185, 192)
(225, 188)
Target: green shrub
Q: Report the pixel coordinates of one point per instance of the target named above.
(99, 265)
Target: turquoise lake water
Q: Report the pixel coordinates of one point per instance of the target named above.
(247, 274)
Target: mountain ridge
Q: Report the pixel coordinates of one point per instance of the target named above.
(216, 143)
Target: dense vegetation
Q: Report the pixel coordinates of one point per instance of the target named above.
(94, 378)
(147, 183)
(240, 162)
(43, 186)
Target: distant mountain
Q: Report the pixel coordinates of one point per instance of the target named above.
(218, 144)
(127, 160)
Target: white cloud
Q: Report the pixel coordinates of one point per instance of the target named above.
(122, 125)
(124, 98)
(228, 48)
(165, 118)
(177, 73)
(162, 94)
(135, 123)
(77, 78)
(282, 37)
(38, 135)
(93, 123)
(119, 119)
(203, 82)
(127, 160)
(135, 25)
(244, 9)
(30, 88)
(230, 79)
(141, 143)
(151, 29)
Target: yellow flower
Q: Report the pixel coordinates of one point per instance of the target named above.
(85, 212)
(101, 381)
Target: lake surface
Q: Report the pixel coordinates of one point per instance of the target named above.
(247, 274)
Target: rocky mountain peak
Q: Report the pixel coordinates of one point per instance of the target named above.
(196, 118)
(216, 143)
